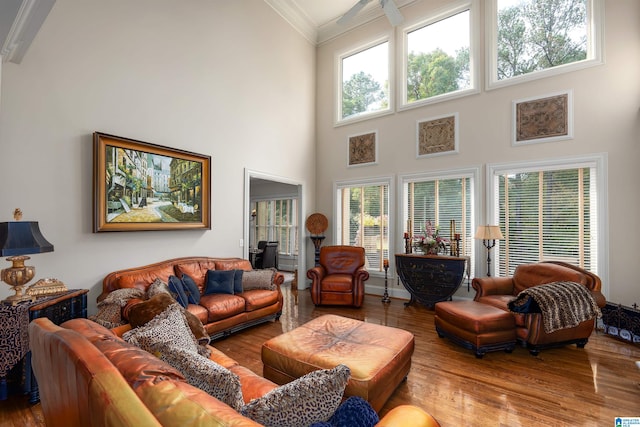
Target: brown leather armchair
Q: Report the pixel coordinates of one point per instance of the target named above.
(499, 291)
(340, 277)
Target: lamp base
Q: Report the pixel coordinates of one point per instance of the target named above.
(17, 276)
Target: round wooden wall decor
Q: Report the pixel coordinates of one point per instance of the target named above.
(317, 223)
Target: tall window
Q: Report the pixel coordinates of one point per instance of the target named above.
(438, 56)
(276, 220)
(441, 200)
(362, 212)
(538, 37)
(548, 213)
(364, 82)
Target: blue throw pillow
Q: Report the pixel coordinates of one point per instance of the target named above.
(191, 289)
(177, 291)
(353, 412)
(237, 282)
(219, 282)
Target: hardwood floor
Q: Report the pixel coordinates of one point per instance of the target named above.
(560, 387)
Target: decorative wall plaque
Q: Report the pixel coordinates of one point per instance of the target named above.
(437, 135)
(543, 119)
(362, 149)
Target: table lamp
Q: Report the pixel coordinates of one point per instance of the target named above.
(17, 239)
(489, 234)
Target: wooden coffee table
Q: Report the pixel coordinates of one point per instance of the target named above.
(379, 356)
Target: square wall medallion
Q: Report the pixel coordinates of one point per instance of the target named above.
(437, 135)
(363, 149)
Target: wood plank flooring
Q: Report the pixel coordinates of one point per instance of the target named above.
(559, 387)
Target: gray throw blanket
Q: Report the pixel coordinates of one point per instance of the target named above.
(562, 304)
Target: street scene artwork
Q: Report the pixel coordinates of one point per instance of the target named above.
(141, 186)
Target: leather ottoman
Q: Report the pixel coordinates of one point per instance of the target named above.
(379, 356)
(476, 326)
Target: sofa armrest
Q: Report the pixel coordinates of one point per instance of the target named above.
(405, 415)
(316, 273)
(492, 286)
(361, 275)
(278, 278)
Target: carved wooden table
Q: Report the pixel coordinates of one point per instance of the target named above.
(430, 278)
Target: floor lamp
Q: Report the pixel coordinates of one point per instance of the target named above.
(489, 234)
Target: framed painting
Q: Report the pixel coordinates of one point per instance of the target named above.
(141, 186)
(363, 149)
(543, 119)
(436, 136)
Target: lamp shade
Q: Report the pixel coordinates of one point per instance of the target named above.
(22, 238)
(488, 232)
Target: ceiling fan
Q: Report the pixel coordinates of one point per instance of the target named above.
(388, 6)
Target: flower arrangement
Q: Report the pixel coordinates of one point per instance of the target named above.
(430, 242)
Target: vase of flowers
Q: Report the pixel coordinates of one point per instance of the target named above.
(430, 242)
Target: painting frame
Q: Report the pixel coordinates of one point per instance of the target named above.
(544, 118)
(437, 136)
(362, 149)
(140, 186)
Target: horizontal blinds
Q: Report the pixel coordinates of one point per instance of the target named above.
(545, 216)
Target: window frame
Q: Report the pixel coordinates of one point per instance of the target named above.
(595, 46)
(273, 227)
(338, 120)
(338, 186)
(596, 161)
(474, 54)
(473, 173)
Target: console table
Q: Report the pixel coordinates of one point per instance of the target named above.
(15, 357)
(430, 278)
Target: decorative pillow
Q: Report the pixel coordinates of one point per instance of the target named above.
(353, 412)
(311, 398)
(177, 291)
(258, 279)
(169, 327)
(219, 282)
(157, 287)
(237, 281)
(191, 289)
(204, 373)
(143, 312)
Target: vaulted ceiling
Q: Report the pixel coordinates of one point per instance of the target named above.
(20, 20)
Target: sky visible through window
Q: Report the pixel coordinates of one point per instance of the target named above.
(374, 61)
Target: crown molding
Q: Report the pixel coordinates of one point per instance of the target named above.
(296, 17)
(28, 20)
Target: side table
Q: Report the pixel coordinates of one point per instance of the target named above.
(14, 338)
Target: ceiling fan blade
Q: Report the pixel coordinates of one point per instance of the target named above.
(392, 12)
(352, 12)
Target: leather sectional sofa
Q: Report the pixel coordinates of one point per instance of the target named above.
(88, 376)
(222, 313)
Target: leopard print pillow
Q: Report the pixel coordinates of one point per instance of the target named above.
(168, 327)
(204, 373)
(310, 399)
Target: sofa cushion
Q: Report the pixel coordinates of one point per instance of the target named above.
(222, 306)
(233, 264)
(353, 412)
(258, 298)
(309, 399)
(204, 373)
(528, 275)
(168, 327)
(158, 287)
(142, 313)
(258, 279)
(191, 289)
(142, 279)
(219, 282)
(196, 270)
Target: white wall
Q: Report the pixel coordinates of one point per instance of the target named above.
(606, 111)
(230, 79)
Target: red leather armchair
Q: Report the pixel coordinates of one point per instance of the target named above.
(340, 277)
(499, 291)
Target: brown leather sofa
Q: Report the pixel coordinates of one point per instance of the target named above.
(90, 377)
(340, 277)
(221, 314)
(500, 291)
